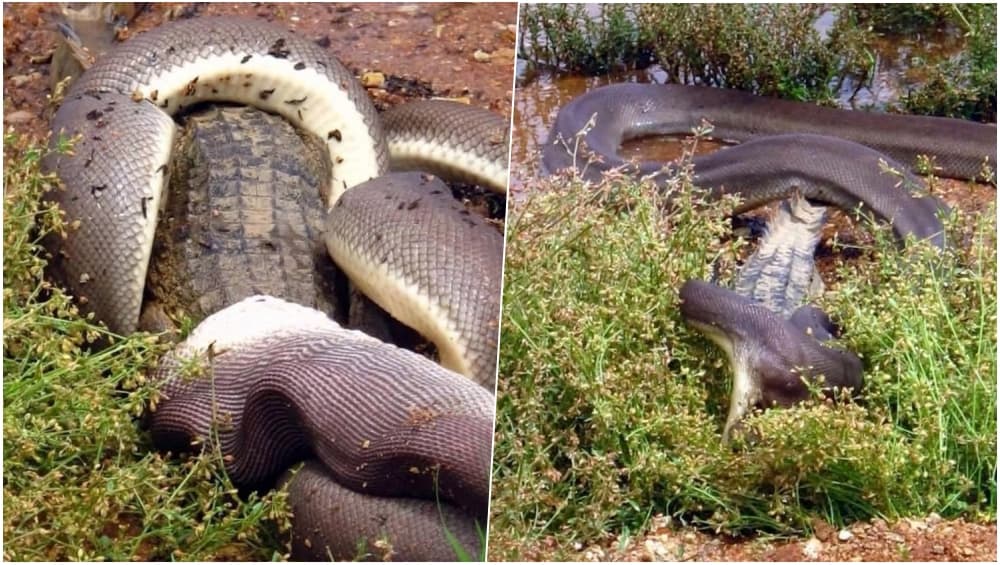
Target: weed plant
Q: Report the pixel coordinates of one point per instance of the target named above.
(610, 408)
(81, 480)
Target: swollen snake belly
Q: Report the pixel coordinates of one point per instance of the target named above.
(284, 383)
(857, 161)
(118, 114)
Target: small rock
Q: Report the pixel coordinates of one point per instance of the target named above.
(655, 549)
(894, 537)
(937, 549)
(967, 551)
(457, 100)
(908, 525)
(661, 521)
(18, 117)
(593, 554)
(844, 535)
(373, 80)
(812, 548)
(933, 518)
(481, 56)
(21, 80)
(822, 530)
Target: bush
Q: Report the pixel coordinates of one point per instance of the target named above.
(81, 481)
(610, 409)
(772, 50)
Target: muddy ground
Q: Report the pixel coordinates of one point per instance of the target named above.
(466, 51)
(913, 539)
(460, 51)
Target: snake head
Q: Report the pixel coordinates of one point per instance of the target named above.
(775, 362)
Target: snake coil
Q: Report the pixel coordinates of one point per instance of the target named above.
(857, 161)
(283, 383)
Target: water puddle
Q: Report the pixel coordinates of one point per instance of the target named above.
(898, 69)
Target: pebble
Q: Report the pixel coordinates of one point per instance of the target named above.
(20, 80)
(373, 80)
(844, 535)
(894, 537)
(812, 548)
(481, 56)
(594, 553)
(19, 117)
(655, 549)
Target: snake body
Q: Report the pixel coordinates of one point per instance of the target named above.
(827, 155)
(370, 234)
(627, 111)
(853, 160)
(770, 355)
(387, 527)
(298, 393)
(170, 68)
(287, 384)
(478, 153)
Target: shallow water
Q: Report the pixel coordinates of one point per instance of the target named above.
(540, 94)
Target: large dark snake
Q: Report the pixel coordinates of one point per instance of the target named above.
(383, 421)
(858, 161)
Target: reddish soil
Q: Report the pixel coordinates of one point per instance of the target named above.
(449, 50)
(924, 539)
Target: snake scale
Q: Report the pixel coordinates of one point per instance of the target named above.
(280, 383)
(857, 161)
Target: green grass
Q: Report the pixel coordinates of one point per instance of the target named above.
(81, 480)
(610, 409)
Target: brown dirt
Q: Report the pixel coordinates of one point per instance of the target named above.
(450, 50)
(924, 539)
